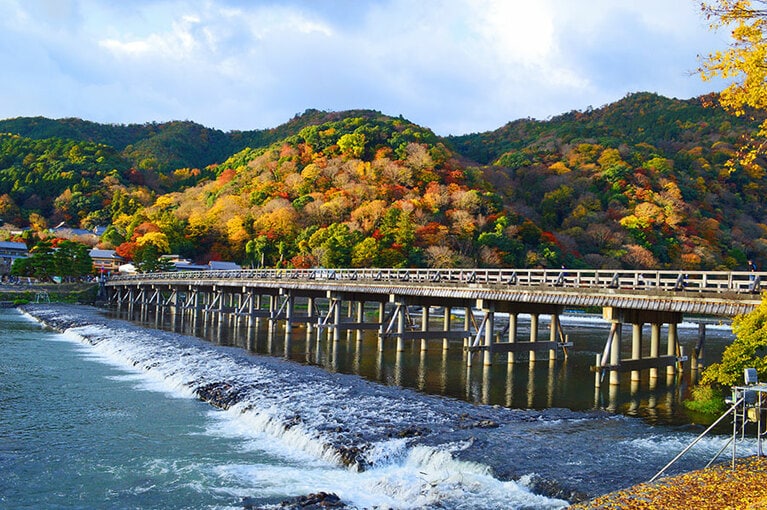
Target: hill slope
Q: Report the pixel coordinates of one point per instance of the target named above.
(638, 183)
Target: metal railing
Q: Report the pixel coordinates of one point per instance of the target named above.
(741, 282)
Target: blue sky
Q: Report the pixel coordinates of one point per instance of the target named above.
(455, 66)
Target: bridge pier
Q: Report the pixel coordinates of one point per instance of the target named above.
(654, 347)
(511, 355)
(489, 334)
(636, 347)
(446, 327)
(697, 355)
(533, 336)
(638, 362)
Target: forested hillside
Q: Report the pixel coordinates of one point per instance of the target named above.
(638, 183)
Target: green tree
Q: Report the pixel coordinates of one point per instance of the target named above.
(749, 349)
(72, 260)
(255, 251)
(41, 263)
(332, 246)
(149, 259)
(366, 253)
(352, 144)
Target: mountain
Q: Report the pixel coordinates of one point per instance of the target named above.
(642, 182)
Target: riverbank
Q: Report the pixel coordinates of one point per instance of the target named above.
(714, 488)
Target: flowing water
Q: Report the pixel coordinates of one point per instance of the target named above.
(106, 415)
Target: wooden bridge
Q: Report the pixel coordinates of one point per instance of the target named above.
(656, 298)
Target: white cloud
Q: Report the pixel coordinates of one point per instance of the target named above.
(452, 65)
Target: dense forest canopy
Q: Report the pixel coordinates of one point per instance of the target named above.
(641, 183)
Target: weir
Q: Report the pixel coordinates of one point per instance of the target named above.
(402, 305)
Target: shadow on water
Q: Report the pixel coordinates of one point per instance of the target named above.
(566, 382)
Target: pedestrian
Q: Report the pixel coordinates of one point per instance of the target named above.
(754, 283)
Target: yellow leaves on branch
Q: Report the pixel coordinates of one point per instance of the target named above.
(158, 239)
(745, 63)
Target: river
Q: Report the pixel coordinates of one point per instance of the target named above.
(107, 415)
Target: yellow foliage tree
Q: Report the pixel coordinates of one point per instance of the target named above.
(743, 63)
(158, 239)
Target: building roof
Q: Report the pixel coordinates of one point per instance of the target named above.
(188, 266)
(104, 254)
(221, 265)
(12, 245)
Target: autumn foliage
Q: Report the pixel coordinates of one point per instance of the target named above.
(641, 183)
(717, 488)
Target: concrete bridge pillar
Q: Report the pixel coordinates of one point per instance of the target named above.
(272, 313)
(131, 300)
(401, 308)
(489, 334)
(424, 327)
(553, 335)
(696, 362)
(533, 333)
(289, 307)
(310, 312)
(467, 327)
(360, 318)
(615, 353)
(446, 326)
(636, 347)
(251, 303)
(382, 327)
(672, 348)
(336, 304)
(511, 356)
(654, 347)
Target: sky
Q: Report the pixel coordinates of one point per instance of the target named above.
(454, 66)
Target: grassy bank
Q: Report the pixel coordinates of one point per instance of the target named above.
(59, 293)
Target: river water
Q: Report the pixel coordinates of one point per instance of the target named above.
(107, 415)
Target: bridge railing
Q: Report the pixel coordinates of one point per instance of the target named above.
(640, 280)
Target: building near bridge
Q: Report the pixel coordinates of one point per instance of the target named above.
(9, 252)
(106, 261)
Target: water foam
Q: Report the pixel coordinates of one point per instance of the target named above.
(304, 418)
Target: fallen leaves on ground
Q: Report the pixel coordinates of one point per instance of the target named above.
(717, 488)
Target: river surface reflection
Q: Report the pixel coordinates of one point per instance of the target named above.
(564, 382)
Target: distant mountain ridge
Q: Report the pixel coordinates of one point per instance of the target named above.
(167, 146)
(640, 182)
